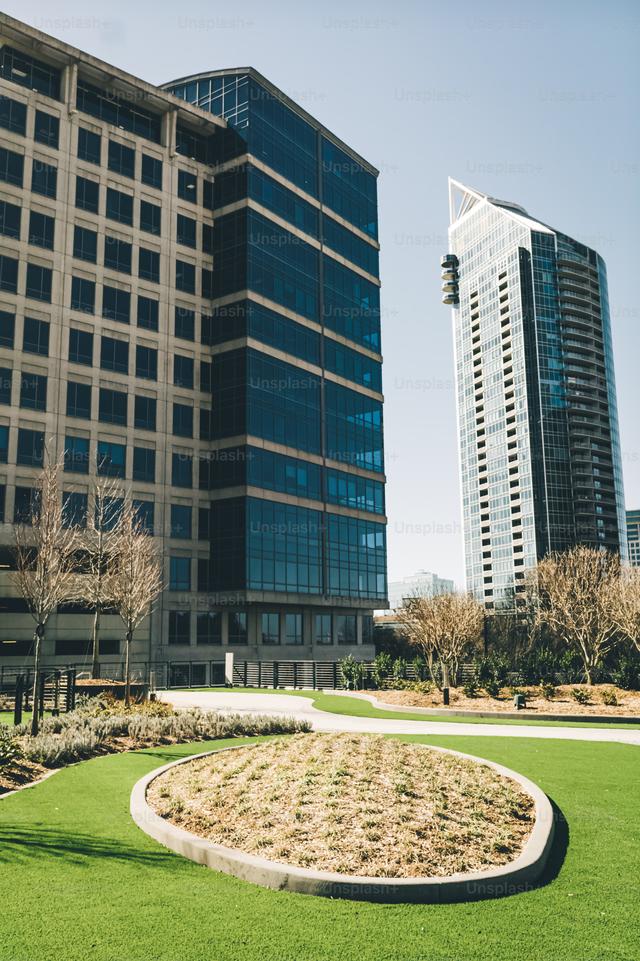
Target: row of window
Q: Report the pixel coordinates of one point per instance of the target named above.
(275, 628)
(13, 117)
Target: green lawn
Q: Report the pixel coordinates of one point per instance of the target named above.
(79, 880)
(358, 707)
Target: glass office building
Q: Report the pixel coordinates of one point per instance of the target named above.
(539, 446)
(633, 537)
(189, 303)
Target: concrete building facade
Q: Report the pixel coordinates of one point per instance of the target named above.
(189, 304)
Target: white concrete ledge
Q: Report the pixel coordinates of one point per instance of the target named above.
(518, 875)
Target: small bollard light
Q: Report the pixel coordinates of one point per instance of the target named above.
(519, 701)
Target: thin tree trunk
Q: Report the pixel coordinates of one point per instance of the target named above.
(95, 644)
(35, 705)
(127, 676)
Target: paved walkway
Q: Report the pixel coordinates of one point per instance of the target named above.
(302, 708)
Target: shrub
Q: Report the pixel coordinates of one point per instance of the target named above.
(627, 673)
(495, 667)
(580, 695)
(9, 747)
(547, 690)
(420, 667)
(471, 687)
(57, 750)
(609, 697)
(492, 687)
(381, 668)
(352, 673)
(399, 669)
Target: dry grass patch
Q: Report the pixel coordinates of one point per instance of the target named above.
(562, 702)
(352, 804)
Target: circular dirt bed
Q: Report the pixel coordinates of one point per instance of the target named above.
(350, 804)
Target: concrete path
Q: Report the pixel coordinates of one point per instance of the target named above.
(302, 708)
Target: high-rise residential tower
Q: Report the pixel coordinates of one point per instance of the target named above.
(189, 303)
(539, 448)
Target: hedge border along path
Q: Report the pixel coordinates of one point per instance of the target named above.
(507, 879)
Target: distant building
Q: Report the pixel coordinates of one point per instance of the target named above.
(633, 537)
(424, 582)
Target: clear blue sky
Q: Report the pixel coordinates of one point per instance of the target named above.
(535, 103)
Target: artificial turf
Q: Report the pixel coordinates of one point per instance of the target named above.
(79, 880)
(359, 707)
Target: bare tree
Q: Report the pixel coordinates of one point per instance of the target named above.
(570, 595)
(623, 604)
(136, 569)
(45, 549)
(443, 627)
(99, 543)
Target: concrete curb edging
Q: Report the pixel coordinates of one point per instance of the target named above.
(507, 715)
(507, 879)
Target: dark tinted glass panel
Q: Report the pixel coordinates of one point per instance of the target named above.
(30, 72)
(13, 115)
(44, 178)
(87, 194)
(47, 129)
(41, 230)
(89, 145)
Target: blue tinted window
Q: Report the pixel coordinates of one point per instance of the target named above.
(116, 304)
(44, 178)
(351, 304)
(188, 186)
(144, 464)
(7, 328)
(10, 215)
(30, 72)
(284, 547)
(144, 512)
(146, 362)
(182, 420)
(119, 206)
(181, 521)
(283, 403)
(113, 406)
(85, 244)
(151, 172)
(76, 455)
(6, 377)
(119, 110)
(186, 231)
(117, 254)
(352, 490)
(114, 355)
(185, 323)
(287, 475)
(181, 470)
(11, 167)
(78, 400)
(35, 338)
(356, 557)
(246, 318)
(353, 428)
(39, 282)
(33, 392)
(281, 139)
(149, 265)
(185, 277)
(30, 447)
(150, 217)
(147, 313)
(353, 248)
(83, 295)
(4, 444)
(41, 230)
(13, 115)
(352, 365)
(145, 413)
(111, 459)
(179, 573)
(80, 346)
(8, 274)
(89, 144)
(87, 194)
(183, 371)
(349, 189)
(74, 509)
(46, 129)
